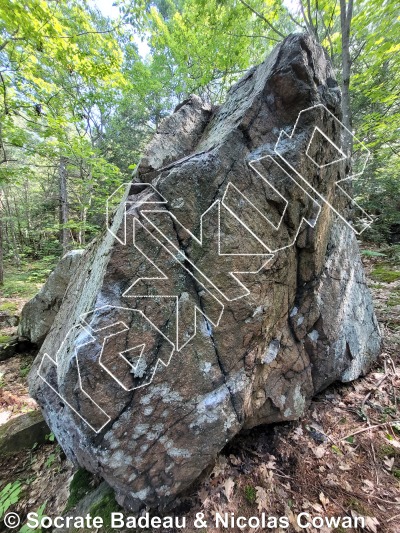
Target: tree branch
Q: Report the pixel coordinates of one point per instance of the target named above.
(259, 15)
(253, 36)
(295, 21)
(88, 33)
(308, 21)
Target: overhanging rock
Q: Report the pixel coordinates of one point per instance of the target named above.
(226, 293)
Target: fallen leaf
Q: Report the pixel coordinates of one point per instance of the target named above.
(336, 450)
(347, 486)
(228, 488)
(261, 499)
(323, 499)
(297, 433)
(389, 463)
(393, 442)
(368, 485)
(319, 451)
(370, 523)
(293, 520)
(317, 507)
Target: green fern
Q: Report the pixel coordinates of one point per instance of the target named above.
(8, 496)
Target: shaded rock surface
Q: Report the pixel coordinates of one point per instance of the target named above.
(15, 345)
(160, 353)
(23, 432)
(38, 314)
(7, 320)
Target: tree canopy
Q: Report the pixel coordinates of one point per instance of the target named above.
(78, 101)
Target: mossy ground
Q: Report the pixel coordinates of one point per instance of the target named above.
(25, 280)
(80, 485)
(104, 508)
(9, 307)
(385, 273)
(394, 298)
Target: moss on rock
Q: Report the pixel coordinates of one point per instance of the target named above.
(78, 488)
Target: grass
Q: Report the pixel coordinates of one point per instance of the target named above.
(26, 280)
(4, 339)
(394, 298)
(26, 366)
(10, 307)
(385, 273)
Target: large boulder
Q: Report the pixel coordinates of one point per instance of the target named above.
(227, 291)
(38, 314)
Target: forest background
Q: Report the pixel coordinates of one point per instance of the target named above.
(82, 93)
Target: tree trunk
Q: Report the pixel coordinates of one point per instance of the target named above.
(346, 14)
(63, 211)
(13, 239)
(1, 240)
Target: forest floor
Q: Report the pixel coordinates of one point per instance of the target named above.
(341, 459)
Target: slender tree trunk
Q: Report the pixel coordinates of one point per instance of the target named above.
(346, 14)
(83, 226)
(311, 28)
(1, 240)
(13, 239)
(28, 215)
(21, 238)
(63, 205)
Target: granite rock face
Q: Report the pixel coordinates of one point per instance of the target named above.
(38, 314)
(226, 293)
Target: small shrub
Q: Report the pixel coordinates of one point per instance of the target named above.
(372, 253)
(250, 494)
(25, 367)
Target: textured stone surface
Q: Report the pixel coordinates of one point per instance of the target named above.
(38, 314)
(7, 320)
(23, 432)
(254, 352)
